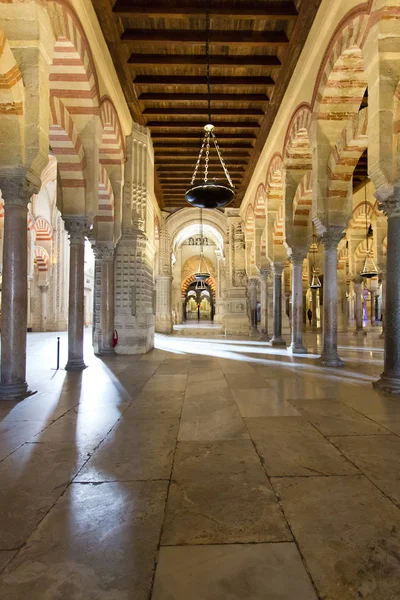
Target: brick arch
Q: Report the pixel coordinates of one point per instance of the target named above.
(259, 201)
(73, 76)
(44, 231)
(277, 231)
(41, 259)
(185, 284)
(67, 147)
(361, 251)
(302, 202)
(297, 149)
(191, 266)
(274, 172)
(345, 155)
(106, 198)
(341, 65)
(360, 218)
(249, 221)
(112, 149)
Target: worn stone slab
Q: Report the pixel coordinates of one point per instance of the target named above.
(15, 433)
(5, 557)
(335, 418)
(290, 446)
(130, 453)
(162, 404)
(219, 494)
(32, 478)
(348, 534)
(263, 402)
(173, 383)
(104, 550)
(390, 422)
(237, 572)
(377, 457)
(211, 417)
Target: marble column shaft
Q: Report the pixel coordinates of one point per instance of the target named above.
(390, 378)
(14, 293)
(358, 289)
(252, 287)
(277, 339)
(297, 346)
(314, 320)
(107, 299)
(330, 240)
(77, 228)
(264, 273)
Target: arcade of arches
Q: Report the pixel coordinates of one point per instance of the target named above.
(237, 438)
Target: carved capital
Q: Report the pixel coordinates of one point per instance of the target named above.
(17, 187)
(78, 228)
(252, 282)
(331, 237)
(390, 206)
(298, 256)
(264, 273)
(104, 251)
(277, 269)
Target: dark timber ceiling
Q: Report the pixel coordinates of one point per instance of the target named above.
(158, 48)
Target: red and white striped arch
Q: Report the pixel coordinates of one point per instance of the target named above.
(361, 250)
(112, 149)
(346, 154)
(278, 229)
(106, 198)
(44, 232)
(259, 201)
(191, 278)
(302, 202)
(341, 81)
(41, 259)
(297, 150)
(343, 255)
(360, 218)
(73, 76)
(249, 222)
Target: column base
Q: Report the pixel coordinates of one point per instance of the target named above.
(15, 391)
(107, 352)
(75, 365)
(391, 385)
(278, 343)
(297, 349)
(360, 332)
(264, 337)
(330, 361)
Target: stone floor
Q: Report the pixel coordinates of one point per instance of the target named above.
(208, 469)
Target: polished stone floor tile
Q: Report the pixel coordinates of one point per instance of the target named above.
(99, 542)
(348, 534)
(244, 382)
(290, 446)
(124, 456)
(32, 478)
(390, 422)
(5, 557)
(289, 388)
(232, 572)
(173, 383)
(262, 402)
(13, 434)
(335, 418)
(219, 494)
(378, 457)
(160, 404)
(214, 417)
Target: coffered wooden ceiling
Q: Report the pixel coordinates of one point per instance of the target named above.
(158, 48)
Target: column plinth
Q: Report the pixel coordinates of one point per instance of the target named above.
(390, 378)
(16, 192)
(277, 339)
(264, 304)
(330, 240)
(77, 228)
(297, 346)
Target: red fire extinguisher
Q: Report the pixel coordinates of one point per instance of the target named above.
(115, 338)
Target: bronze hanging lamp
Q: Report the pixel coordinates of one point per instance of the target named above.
(315, 281)
(369, 269)
(202, 273)
(208, 193)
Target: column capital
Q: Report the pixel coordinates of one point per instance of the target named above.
(390, 206)
(18, 187)
(264, 273)
(298, 255)
(277, 269)
(332, 236)
(252, 281)
(103, 250)
(78, 228)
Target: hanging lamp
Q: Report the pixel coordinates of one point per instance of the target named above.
(369, 269)
(315, 281)
(202, 272)
(205, 192)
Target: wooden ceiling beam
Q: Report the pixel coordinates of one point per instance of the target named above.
(173, 9)
(184, 110)
(165, 60)
(195, 144)
(192, 135)
(174, 170)
(167, 37)
(179, 97)
(200, 125)
(187, 80)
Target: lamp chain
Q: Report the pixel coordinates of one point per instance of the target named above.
(208, 59)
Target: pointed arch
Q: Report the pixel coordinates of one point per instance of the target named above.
(112, 149)
(297, 149)
(106, 198)
(41, 259)
(302, 202)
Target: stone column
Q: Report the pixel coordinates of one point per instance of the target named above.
(383, 309)
(107, 298)
(264, 304)
(373, 307)
(314, 320)
(252, 291)
(277, 339)
(330, 240)
(358, 289)
(298, 256)
(164, 304)
(77, 228)
(44, 288)
(390, 378)
(13, 384)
